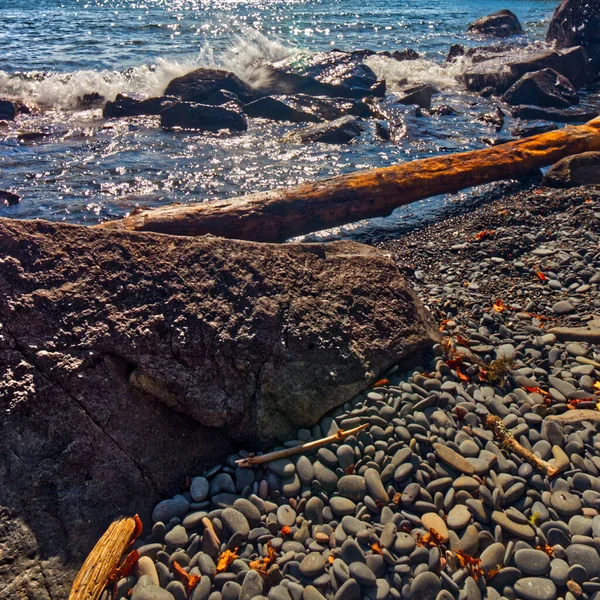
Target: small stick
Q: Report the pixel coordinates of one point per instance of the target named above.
(336, 437)
(508, 441)
(103, 560)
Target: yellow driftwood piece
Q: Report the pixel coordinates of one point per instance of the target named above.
(510, 443)
(284, 213)
(263, 458)
(102, 561)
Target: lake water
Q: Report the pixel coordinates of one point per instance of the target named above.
(69, 164)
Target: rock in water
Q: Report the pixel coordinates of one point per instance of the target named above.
(7, 110)
(419, 95)
(200, 85)
(202, 117)
(499, 24)
(339, 131)
(542, 88)
(132, 105)
(334, 74)
(580, 169)
(577, 23)
(128, 360)
(575, 115)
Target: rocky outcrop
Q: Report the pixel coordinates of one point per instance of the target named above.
(542, 88)
(135, 105)
(580, 169)
(338, 131)
(202, 84)
(499, 24)
(335, 74)
(301, 108)
(128, 361)
(202, 117)
(577, 23)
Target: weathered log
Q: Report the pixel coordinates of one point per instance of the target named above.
(103, 560)
(280, 214)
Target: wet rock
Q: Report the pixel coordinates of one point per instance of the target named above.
(333, 74)
(199, 85)
(7, 110)
(499, 24)
(339, 131)
(134, 105)
(580, 169)
(202, 117)
(522, 131)
(542, 88)
(10, 198)
(419, 95)
(574, 115)
(535, 588)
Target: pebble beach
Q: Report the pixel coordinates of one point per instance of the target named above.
(427, 502)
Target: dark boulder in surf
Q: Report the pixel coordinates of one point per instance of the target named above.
(192, 116)
(201, 84)
(577, 23)
(7, 110)
(300, 108)
(419, 95)
(135, 105)
(338, 131)
(574, 115)
(333, 74)
(499, 24)
(542, 88)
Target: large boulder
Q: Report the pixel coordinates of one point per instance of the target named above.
(579, 169)
(334, 74)
(499, 24)
(202, 117)
(129, 361)
(301, 108)
(135, 105)
(338, 131)
(577, 23)
(542, 88)
(202, 84)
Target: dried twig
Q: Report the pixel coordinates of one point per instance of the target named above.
(336, 437)
(508, 441)
(103, 561)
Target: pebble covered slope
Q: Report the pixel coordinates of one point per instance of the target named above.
(426, 503)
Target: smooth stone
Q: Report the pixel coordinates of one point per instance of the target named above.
(492, 556)
(326, 477)
(586, 556)
(235, 521)
(580, 525)
(361, 572)
(313, 564)
(425, 586)
(349, 590)
(517, 529)
(305, 470)
(532, 562)
(459, 517)
(375, 486)
(199, 488)
(164, 511)
(565, 503)
(177, 537)
(282, 467)
(342, 506)
(286, 516)
(433, 521)
(142, 591)
(453, 459)
(536, 588)
(353, 487)
(314, 510)
(559, 571)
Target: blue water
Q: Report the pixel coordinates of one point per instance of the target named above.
(83, 169)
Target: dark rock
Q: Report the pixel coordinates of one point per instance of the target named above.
(577, 23)
(522, 131)
(419, 95)
(402, 55)
(334, 74)
(300, 108)
(580, 169)
(7, 110)
(339, 131)
(575, 115)
(499, 24)
(542, 88)
(129, 360)
(202, 117)
(133, 105)
(201, 85)
(91, 99)
(10, 198)
(494, 119)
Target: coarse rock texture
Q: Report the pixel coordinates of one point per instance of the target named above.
(580, 169)
(577, 23)
(542, 88)
(202, 117)
(499, 24)
(338, 131)
(128, 360)
(132, 105)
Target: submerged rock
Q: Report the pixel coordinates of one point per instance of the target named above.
(200, 85)
(334, 74)
(129, 361)
(542, 88)
(499, 24)
(580, 169)
(202, 117)
(338, 131)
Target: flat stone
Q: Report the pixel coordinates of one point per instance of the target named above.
(520, 530)
(236, 522)
(199, 489)
(586, 556)
(283, 467)
(565, 503)
(342, 506)
(286, 516)
(425, 586)
(453, 459)
(313, 564)
(563, 307)
(361, 572)
(536, 588)
(352, 486)
(177, 537)
(349, 590)
(459, 517)
(492, 556)
(177, 506)
(305, 470)
(433, 521)
(532, 562)
(251, 586)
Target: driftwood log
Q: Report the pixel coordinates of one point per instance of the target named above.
(103, 560)
(280, 214)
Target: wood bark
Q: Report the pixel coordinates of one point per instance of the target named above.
(103, 560)
(278, 215)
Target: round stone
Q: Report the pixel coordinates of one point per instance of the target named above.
(563, 307)
(532, 562)
(565, 503)
(283, 467)
(313, 564)
(353, 487)
(167, 509)
(199, 489)
(305, 470)
(314, 510)
(342, 506)
(492, 557)
(586, 556)
(236, 522)
(459, 517)
(535, 588)
(425, 586)
(177, 537)
(286, 516)
(362, 574)
(433, 521)
(252, 585)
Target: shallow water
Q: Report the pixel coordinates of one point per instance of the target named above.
(80, 168)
